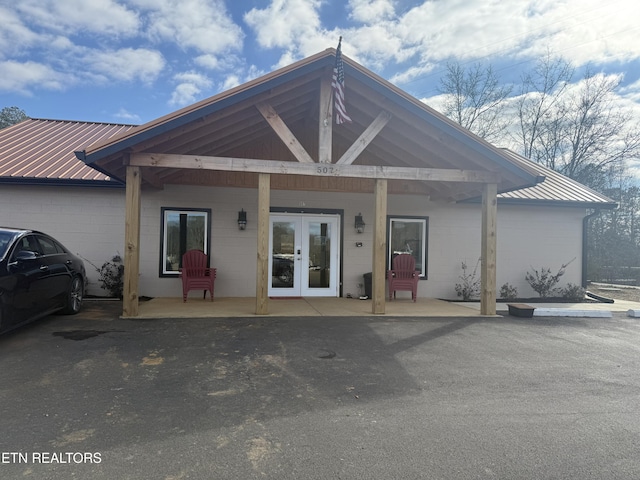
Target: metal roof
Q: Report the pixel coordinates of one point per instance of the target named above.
(556, 189)
(42, 151)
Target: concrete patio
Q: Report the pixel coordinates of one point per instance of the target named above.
(174, 307)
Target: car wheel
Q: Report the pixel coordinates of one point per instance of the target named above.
(74, 297)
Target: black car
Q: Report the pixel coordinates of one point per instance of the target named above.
(38, 276)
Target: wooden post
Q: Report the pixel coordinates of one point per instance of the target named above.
(379, 247)
(488, 249)
(325, 120)
(262, 274)
(132, 243)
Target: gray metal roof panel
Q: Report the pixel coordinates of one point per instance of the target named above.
(556, 188)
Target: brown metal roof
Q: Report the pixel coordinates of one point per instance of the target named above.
(37, 150)
(556, 189)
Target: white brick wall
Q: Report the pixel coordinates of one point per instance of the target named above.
(90, 222)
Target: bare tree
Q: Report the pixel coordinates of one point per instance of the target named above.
(476, 100)
(537, 107)
(577, 130)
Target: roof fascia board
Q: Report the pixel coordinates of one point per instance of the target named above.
(61, 182)
(546, 203)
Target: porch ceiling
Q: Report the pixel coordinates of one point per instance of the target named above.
(230, 125)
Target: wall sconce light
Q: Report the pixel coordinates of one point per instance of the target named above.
(359, 224)
(242, 219)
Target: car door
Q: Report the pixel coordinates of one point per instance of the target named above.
(25, 282)
(56, 278)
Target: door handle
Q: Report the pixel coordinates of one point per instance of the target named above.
(44, 268)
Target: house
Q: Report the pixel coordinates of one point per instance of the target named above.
(324, 204)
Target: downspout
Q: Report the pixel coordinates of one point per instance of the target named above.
(585, 238)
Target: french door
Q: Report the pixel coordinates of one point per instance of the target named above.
(304, 258)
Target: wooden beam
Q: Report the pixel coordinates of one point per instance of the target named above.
(286, 135)
(488, 249)
(365, 138)
(325, 120)
(379, 247)
(132, 243)
(262, 272)
(163, 160)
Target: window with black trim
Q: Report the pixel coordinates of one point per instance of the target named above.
(408, 235)
(182, 229)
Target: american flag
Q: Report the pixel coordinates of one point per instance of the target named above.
(337, 83)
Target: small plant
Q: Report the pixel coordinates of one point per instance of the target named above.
(573, 292)
(112, 276)
(543, 282)
(469, 287)
(508, 291)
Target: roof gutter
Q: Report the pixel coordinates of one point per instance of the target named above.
(585, 244)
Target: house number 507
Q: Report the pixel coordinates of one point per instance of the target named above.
(327, 170)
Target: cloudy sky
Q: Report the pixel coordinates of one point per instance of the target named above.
(130, 61)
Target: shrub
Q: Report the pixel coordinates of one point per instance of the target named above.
(573, 292)
(112, 276)
(543, 282)
(508, 291)
(469, 287)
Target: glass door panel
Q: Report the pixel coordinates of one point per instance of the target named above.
(319, 254)
(284, 267)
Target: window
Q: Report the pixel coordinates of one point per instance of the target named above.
(182, 230)
(409, 235)
(49, 246)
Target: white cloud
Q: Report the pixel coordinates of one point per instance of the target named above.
(371, 11)
(632, 92)
(126, 64)
(24, 77)
(189, 88)
(126, 116)
(284, 23)
(107, 17)
(230, 81)
(15, 36)
(200, 24)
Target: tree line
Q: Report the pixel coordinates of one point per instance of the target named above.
(576, 127)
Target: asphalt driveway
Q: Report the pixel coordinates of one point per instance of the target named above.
(97, 397)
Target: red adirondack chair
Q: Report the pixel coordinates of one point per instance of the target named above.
(403, 276)
(195, 274)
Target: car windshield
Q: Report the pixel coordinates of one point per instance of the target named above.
(5, 241)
